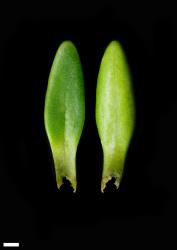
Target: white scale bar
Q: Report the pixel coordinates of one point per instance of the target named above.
(10, 244)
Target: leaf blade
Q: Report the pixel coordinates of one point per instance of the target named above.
(64, 111)
(115, 111)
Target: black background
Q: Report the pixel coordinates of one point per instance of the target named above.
(144, 207)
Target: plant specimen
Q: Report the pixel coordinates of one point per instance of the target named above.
(115, 111)
(64, 112)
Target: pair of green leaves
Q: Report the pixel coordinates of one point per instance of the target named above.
(64, 113)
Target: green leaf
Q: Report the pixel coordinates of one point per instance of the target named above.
(64, 112)
(115, 111)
